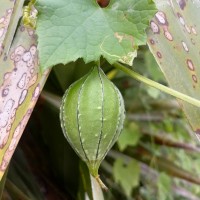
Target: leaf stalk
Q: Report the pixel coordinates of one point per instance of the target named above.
(156, 85)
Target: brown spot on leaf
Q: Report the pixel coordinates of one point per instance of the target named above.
(36, 92)
(185, 47)
(182, 4)
(181, 19)
(5, 92)
(194, 30)
(22, 28)
(190, 65)
(154, 27)
(152, 41)
(194, 78)
(122, 37)
(23, 96)
(159, 54)
(197, 131)
(22, 81)
(187, 28)
(161, 18)
(7, 75)
(119, 37)
(5, 58)
(168, 35)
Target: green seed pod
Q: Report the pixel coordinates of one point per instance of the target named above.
(92, 116)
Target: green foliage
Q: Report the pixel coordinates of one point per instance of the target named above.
(164, 183)
(130, 136)
(68, 30)
(127, 175)
(159, 158)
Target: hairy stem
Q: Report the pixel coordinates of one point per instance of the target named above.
(156, 85)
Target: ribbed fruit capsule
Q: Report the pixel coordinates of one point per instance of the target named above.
(92, 116)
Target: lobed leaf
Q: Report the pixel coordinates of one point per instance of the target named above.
(69, 30)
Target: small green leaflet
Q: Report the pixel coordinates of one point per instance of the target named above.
(130, 136)
(127, 175)
(72, 29)
(164, 184)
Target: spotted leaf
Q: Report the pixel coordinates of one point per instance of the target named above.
(10, 12)
(174, 40)
(20, 80)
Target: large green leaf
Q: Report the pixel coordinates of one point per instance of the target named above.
(174, 41)
(69, 30)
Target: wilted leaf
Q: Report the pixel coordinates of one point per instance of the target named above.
(69, 30)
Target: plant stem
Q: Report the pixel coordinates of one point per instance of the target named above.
(102, 185)
(156, 85)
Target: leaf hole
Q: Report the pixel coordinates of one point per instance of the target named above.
(103, 3)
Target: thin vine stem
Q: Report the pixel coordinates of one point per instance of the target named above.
(156, 85)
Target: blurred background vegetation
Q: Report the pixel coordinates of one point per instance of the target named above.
(155, 158)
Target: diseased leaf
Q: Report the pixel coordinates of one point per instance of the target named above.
(174, 41)
(20, 79)
(20, 84)
(10, 12)
(69, 30)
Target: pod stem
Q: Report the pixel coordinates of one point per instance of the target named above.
(156, 85)
(100, 182)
